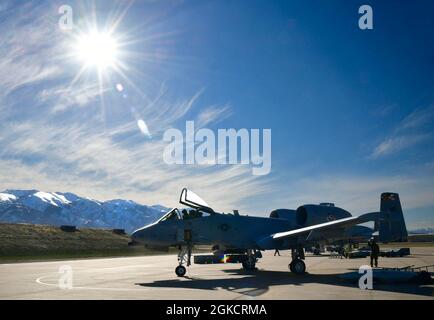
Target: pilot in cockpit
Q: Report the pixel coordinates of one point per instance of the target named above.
(185, 215)
(195, 214)
(191, 214)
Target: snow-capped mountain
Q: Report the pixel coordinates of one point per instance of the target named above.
(56, 208)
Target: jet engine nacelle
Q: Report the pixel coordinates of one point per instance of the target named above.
(287, 214)
(310, 214)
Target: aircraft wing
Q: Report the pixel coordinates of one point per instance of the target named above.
(346, 222)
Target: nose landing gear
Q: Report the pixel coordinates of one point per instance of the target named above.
(184, 257)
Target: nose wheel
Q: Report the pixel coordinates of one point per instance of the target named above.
(180, 271)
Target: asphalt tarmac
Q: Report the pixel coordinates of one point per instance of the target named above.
(153, 277)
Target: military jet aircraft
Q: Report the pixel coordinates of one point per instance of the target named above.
(240, 239)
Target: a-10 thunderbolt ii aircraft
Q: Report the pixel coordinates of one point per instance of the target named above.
(240, 239)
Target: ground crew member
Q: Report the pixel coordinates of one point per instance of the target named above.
(375, 252)
(347, 250)
(277, 252)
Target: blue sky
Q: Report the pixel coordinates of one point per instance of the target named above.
(351, 111)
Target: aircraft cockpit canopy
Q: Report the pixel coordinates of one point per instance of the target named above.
(184, 214)
(189, 198)
(199, 208)
(172, 214)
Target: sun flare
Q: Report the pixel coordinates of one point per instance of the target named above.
(97, 49)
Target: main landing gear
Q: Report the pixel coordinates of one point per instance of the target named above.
(184, 257)
(297, 264)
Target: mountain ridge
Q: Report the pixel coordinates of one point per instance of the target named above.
(60, 208)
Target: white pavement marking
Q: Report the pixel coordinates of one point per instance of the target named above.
(39, 280)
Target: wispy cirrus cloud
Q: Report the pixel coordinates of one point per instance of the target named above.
(411, 131)
(63, 97)
(398, 143)
(24, 49)
(418, 119)
(213, 114)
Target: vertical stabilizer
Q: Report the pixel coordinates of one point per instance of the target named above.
(392, 226)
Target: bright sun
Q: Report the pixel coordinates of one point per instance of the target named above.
(97, 49)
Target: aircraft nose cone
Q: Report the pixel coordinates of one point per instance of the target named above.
(135, 235)
(141, 234)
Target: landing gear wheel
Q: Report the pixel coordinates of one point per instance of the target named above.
(248, 265)
(297, 266)
(180, 271)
